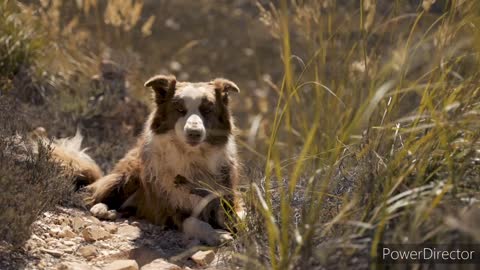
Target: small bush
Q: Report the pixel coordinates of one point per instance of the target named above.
(18, 45)
(31, 182)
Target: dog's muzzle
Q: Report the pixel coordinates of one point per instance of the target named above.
(194, 130)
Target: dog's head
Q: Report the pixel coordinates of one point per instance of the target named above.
(195, 112)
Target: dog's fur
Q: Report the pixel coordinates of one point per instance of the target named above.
(184, 168)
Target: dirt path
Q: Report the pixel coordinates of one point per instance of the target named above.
(69, 238)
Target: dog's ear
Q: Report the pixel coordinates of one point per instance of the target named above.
(223, 87)
(163, 87)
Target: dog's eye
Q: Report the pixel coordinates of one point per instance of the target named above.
(181, 110)
(206, 110)
(179, 107)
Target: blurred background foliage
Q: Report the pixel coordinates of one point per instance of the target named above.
(358, 120)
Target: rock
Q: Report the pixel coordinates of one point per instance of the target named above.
(54, 253)
(160, 264)
(31, 245)
(74, 266)
(54, 231)
(69, 243)
(66, 233)
(129, 231)
(42, 264)
(78, 223)
(93, 219)
(88, 251)
(35, 237)
(94, 233)
(52, 241)
(121, 265)
(70, 250)
(63, 221)
(111, 228)
(203, 258)
(143, 254)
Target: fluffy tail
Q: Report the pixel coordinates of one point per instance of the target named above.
(69, 153)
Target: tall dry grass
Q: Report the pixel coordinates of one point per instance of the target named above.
(375, 136)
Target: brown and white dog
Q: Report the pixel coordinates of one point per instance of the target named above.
(184, 167)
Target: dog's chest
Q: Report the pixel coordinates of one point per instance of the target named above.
(169, 164)
(183, 178)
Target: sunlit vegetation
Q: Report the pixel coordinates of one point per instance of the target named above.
(359, 121)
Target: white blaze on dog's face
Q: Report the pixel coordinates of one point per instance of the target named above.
(195, 102)
(195, 112)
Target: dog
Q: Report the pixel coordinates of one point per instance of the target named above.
(184, 168)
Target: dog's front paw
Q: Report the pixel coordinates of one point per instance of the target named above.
(204, 232)
(100, 210)
(216, 237)
(223, 236)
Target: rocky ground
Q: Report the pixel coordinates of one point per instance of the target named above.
(70, 238)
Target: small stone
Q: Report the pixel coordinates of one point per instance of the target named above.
(121, 265)
(42, 263)
(111, 228)
(54, 231)
(129, 231)
(203, 258)
(94, 233)
(66, 233)
(69, 250)
(78, 223)
(160, 264)
(54, 253)
(64, 221)
(88, 251)
(35, 237)
(69, 243)
(93, 219)
(30, 245)
(74, 266)
(51, 241)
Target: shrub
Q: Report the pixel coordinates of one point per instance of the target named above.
(31, 182)
(18, 44)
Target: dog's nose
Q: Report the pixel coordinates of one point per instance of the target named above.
(193, 125)
(194, 134)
